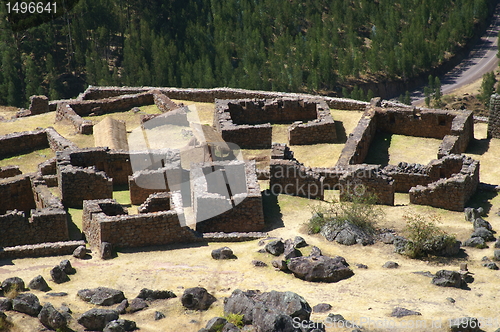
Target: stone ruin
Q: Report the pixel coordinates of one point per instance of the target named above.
(247, 122)
(494, 119)
(86, 177)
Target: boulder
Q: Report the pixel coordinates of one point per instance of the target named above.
(3, 320)
(320, 268)
(39, 283)
(80, 252)
(480, 222)
(484, 233)
(5, 304)
(122, 307)
(299, 242)
(491, 265)
(51, 318)
(445, 278)
(290, 251)
(287, 303)
(497, 243)
(106, 250)
(27, 303)
(151, 295)
(387, 238)
(197, 298)
(66, 267)
(471, 214)
(266, 320)
(402, 312)
(230, 327)
(101, 296)
(159, 315)
(400, 244)
(14, 284)
(475, 242)
(276, 247)
(58, 275)
(322, 307)
(390, 265)
(241, 303)
(315, 251)
(120, 325)
(97, 319)
(216, 324)
(223, 253)
(346, 233)
(137, 304)
(280, 264)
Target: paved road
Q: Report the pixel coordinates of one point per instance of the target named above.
(482, 59)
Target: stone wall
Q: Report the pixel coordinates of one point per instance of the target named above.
(111, 133)
(293, 178)
(144, 183)
(366, 181)
(449, 193)
(16, 193)
(163, 103)
(77, 184)
(126, 231)
(156, 202)
(82, 126)
(58, 142)
(39, 105)
(41, 249)
(319, 130)
(9, 171)
(22, 142)
(226, 197)
(494, 119)
(357, 145)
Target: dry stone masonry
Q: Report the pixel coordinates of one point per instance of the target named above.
(494, 120)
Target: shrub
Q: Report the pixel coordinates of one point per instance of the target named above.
(424, 236)
(359, 210)
(236, 319)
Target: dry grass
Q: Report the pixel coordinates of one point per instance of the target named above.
(28, 163)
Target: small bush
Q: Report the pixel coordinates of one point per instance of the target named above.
(236, 319)
(360, 211)
(424, 236)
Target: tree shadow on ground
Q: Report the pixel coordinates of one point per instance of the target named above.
(341, 134)
(273, 217)
(378, 153)
(478, 146)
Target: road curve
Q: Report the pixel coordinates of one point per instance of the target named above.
(481, 60)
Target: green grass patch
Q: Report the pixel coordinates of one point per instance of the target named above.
(28, 163)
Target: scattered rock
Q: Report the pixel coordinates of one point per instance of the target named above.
(484, 233)
(387, 238)
(106, 250)
(497, 243)
(496, 255)
(14, 284)
(58, 275)
(51, 318)
(450, 299)
(258, 263)
(337, 318)
(216, 324)
(5, 304)
(159, 315)
(101, 296)
(471, 214)
(27, 303)
(320, 268)
(39, 283)
(491, 265)
(361, 266)
(402, 312)
(58, 294)
(122, 307)
(66, 267)
(223, 253)
(230, 327)
(299, 242)
(475, 242)
(242, 303)
(346, 233)
(445, 278)
(480, 222)
(400, 244)
(276, 247)
(97, 319)
(280, 264)
(80, 252)
(390, 265)
(197, 298)
(315, 251)
(137, 304)
(322, 307)
(290, 251)
(120, 325)
(151, 295)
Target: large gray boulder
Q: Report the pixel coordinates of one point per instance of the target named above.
(484, 233)
(445, 278)
(27, 303)
(14, 284)
(120, 325)
(101, 296)
(346, 233)
(223, 253)
(320, 268)
(241, 303)
(151, 295)
(51, 318)
(58, 275)
(288, 303)
(97, 319)
(197, 298)
(276, 247)
(39, 283)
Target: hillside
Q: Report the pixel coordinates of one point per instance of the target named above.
(315, 47)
